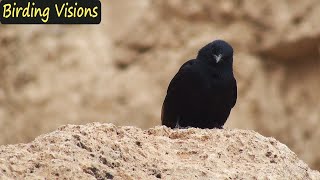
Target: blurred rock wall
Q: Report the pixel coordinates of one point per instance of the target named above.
(119, 71)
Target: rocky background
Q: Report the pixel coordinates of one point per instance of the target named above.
(118, 71)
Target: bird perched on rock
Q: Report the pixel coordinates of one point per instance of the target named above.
(204, 90)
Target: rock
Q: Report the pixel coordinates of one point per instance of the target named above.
(104, 151)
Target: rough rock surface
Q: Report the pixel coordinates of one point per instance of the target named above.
(120, 69)
(104, 151)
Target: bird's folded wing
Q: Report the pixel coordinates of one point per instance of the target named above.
(182, 90)
(186, 79)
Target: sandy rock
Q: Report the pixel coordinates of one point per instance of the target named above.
(104, 151)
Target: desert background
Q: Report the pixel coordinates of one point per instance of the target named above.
(118, 71)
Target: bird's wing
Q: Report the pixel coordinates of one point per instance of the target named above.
(183, 89)
(180, 79)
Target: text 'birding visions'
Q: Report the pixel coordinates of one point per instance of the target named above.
(50, 12)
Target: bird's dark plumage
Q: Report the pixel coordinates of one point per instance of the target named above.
(204, 90)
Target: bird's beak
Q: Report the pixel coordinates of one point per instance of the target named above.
(218, 58)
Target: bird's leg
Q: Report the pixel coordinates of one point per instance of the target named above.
(180, 127)
(177, 123)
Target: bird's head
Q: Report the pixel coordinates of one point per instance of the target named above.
(216, 52)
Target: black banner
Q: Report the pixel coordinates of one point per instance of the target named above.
(50, 11)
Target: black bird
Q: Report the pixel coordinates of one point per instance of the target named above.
(204, 90)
